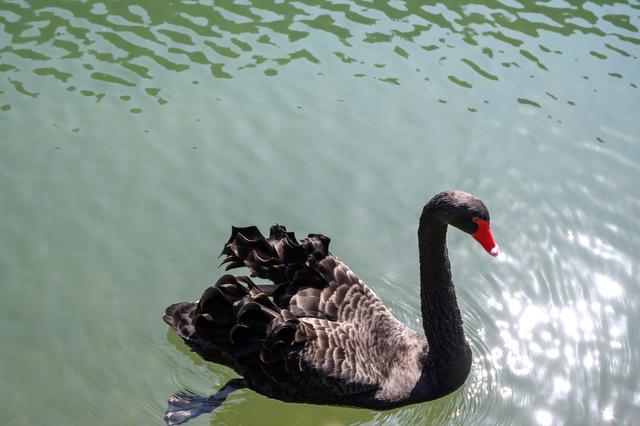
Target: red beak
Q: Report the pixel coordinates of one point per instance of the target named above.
(484, 237)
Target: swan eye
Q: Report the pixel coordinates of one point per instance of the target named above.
(476, 220)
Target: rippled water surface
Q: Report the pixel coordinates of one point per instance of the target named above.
(133, 134)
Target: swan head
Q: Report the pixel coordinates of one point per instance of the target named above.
(467, 213)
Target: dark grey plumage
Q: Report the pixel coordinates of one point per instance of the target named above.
(322, 336)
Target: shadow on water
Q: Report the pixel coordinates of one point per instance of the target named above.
(121, 49)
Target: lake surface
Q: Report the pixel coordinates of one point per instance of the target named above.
(133, 134)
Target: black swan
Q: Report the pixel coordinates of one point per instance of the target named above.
(319, 334)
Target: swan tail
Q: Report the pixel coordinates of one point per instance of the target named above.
(178, 317)
(210, 325)
(236, 324)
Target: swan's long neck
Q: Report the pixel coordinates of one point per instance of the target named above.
(449, 352)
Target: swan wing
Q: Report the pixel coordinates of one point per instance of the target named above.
(309, 281)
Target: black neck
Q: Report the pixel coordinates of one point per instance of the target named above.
(448, 349)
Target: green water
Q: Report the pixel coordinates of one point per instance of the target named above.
(133, 134)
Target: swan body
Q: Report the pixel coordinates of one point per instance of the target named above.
(319, 334)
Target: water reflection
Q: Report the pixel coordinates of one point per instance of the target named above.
(563, 349)
(98, 48)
